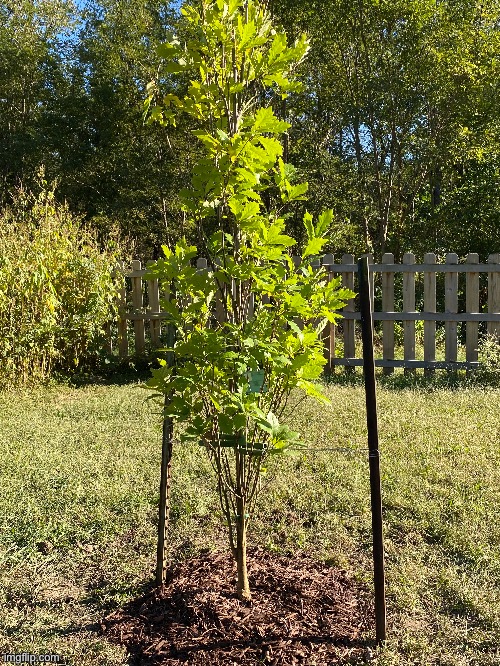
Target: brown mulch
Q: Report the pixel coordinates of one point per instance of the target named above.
(301, 613)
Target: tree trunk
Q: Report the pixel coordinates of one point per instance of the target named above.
(242, 586)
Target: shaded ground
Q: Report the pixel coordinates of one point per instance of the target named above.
(301, 613)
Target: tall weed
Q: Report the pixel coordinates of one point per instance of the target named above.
(56, 289)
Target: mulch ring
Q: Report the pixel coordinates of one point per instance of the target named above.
(301, 612)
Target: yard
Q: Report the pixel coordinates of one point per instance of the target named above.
(79, 478)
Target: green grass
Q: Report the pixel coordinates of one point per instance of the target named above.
(79, 475)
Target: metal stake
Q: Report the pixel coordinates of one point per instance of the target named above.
(165, 478)
(374, 454)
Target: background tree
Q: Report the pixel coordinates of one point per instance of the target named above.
(32, 48)
(398, 99)
(397, 127)
(114, 170)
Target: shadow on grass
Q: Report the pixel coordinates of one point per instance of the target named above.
(115, 373)
(441, 379)
(138, 369)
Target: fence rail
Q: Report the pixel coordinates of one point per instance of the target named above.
(468, 293)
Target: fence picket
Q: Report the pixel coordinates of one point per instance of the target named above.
(153, 306)
(297, 320)
(329, 332)
(348, 324)
(250, 305)
(429, 306)
(451, 305)
(388, 306)
(122, 313)
(494, 295)
(409, 306)
(472, 305)
(137, 302)
(220, 311)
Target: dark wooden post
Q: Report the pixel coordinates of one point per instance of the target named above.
(374, 454)
(165, 478)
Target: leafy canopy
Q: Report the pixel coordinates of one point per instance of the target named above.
(236, 61)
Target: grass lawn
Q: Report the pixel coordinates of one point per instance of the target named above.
(79, 474)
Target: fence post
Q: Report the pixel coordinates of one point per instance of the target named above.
(154, 306)
(388, 306)
(451, 306)
(296, 262)
(409, 306)
(472, 305)
(429, 306)
(494, 295)
(348, 324)
(122, 313)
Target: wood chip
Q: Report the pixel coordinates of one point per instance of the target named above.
(301, 614)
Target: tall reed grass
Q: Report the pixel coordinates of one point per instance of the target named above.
(56, 289)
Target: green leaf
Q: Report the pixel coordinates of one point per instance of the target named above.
(272, 146)
(313, 391)
(266, 121)
(274, 236)
(215, 403)
(173, 67)
(309, 225)
(277, 48)
(314, 247)
(168, 49)
(208, 140)
(223, 136)
(273, 420)
(244, 212)
(296, 192)
(297, 330)
(324, 222)
(225, 423)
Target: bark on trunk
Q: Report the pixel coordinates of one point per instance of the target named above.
(242, 585)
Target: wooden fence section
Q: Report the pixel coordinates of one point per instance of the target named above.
(468, 295)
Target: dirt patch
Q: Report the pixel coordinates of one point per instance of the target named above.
(301, 613)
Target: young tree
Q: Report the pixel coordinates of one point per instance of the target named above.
(231, 379)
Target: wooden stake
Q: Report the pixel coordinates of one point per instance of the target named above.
(374, 454)
(165, 478)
